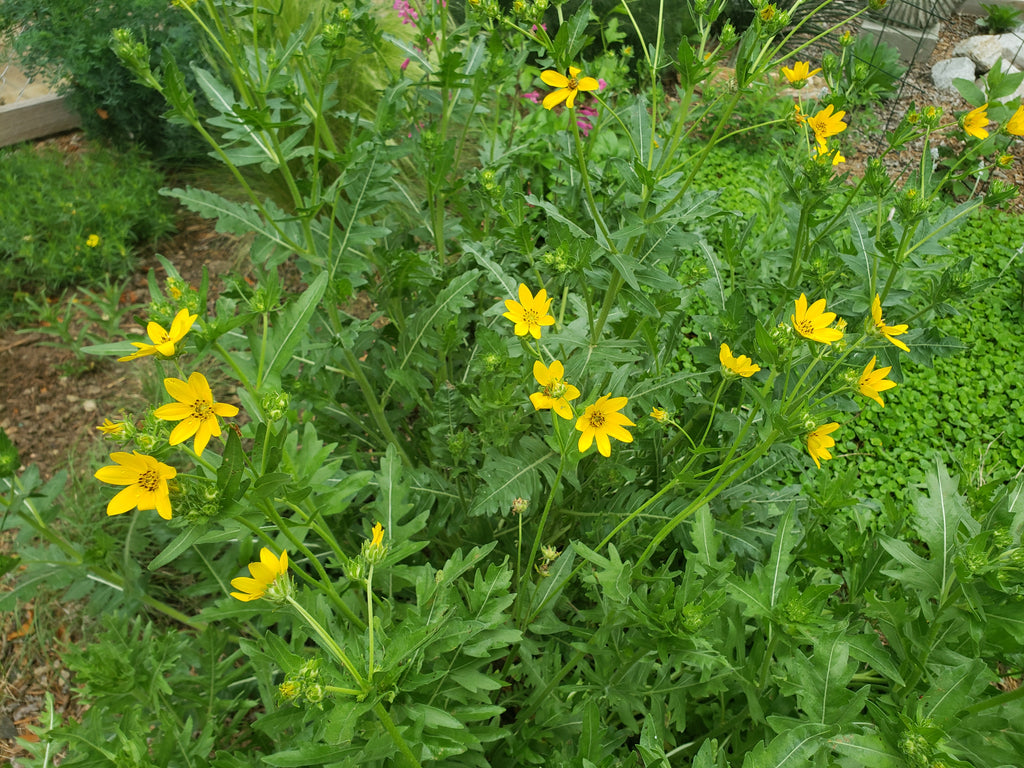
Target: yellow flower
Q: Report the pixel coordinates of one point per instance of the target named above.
(530, 312)
(374, 551)
(264, 573)
(567, 87)
(555, 393)
(873, 381)
(801, 71)
(824, 151)
(975, 122)
(660, 415)
(818, 442)
(1015, 124)
(825, 124)
(195, 409)
(163, 341)
(92, 241)
(603, 420)
(111, 428)
(812, 323)
(889, 331)
(741, 366)
(146, 479)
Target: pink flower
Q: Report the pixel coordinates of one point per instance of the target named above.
(582, 113)
(406, 12)
(601, 83)
(533, 96)
(405, 65)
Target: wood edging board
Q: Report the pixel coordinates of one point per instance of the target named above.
(34, 119)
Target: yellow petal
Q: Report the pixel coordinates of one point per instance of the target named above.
(184, 430)
(554, 79)
(555, 98)
(126, 499)
(173, 412)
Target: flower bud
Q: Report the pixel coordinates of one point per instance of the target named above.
(274, 404)
(520, 505)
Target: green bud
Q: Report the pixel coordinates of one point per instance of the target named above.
(274, 404)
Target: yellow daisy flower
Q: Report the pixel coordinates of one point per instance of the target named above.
(92, 241)
(824, 123)
(660, 415)
(163, 341)
(1015, 124)
(889, 331)
(801, 71)
(603, 420)
(975, 122)
(146, 481)
(567, 87)
(873, 381)
(813, 322)
(824, 152)
(530, 312)
(264, 573)
(741, 365)
(195, 409)
(818, 442)
(555, 392)
(111, 428)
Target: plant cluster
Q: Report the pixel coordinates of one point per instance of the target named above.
(77, 222)
(66, 43)
(498, 483)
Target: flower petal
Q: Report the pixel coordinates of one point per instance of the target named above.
(554, 78)
(126, 499)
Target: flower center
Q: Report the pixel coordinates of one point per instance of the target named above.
(149, 480)
(202, 409)
(531, 317)
(555, 389)
(805, 326)
(573, 84)
(597, 420)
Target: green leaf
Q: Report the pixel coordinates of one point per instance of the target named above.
(183, 541)
(953, 689)
(292, 328)
(972, 94)
(858, 750)
(793, 748)
(570, 39)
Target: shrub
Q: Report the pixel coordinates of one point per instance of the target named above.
(68, 43)
(72, 219)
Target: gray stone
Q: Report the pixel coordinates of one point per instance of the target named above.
(944, 72)
(984, 50)
(913, 44)
(1013, 48)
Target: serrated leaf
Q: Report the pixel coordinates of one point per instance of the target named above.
(954, 688)
(292, 328)
(793, 748)
(858, 750)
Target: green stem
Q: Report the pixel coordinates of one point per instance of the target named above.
(330, 644)
(396, 736)
(544, 515)
(376, 408)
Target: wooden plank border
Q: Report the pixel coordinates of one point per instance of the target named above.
(34, 119)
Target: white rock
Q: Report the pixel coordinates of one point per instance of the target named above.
(944, 72)
(1012, 44)
(983, 50)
